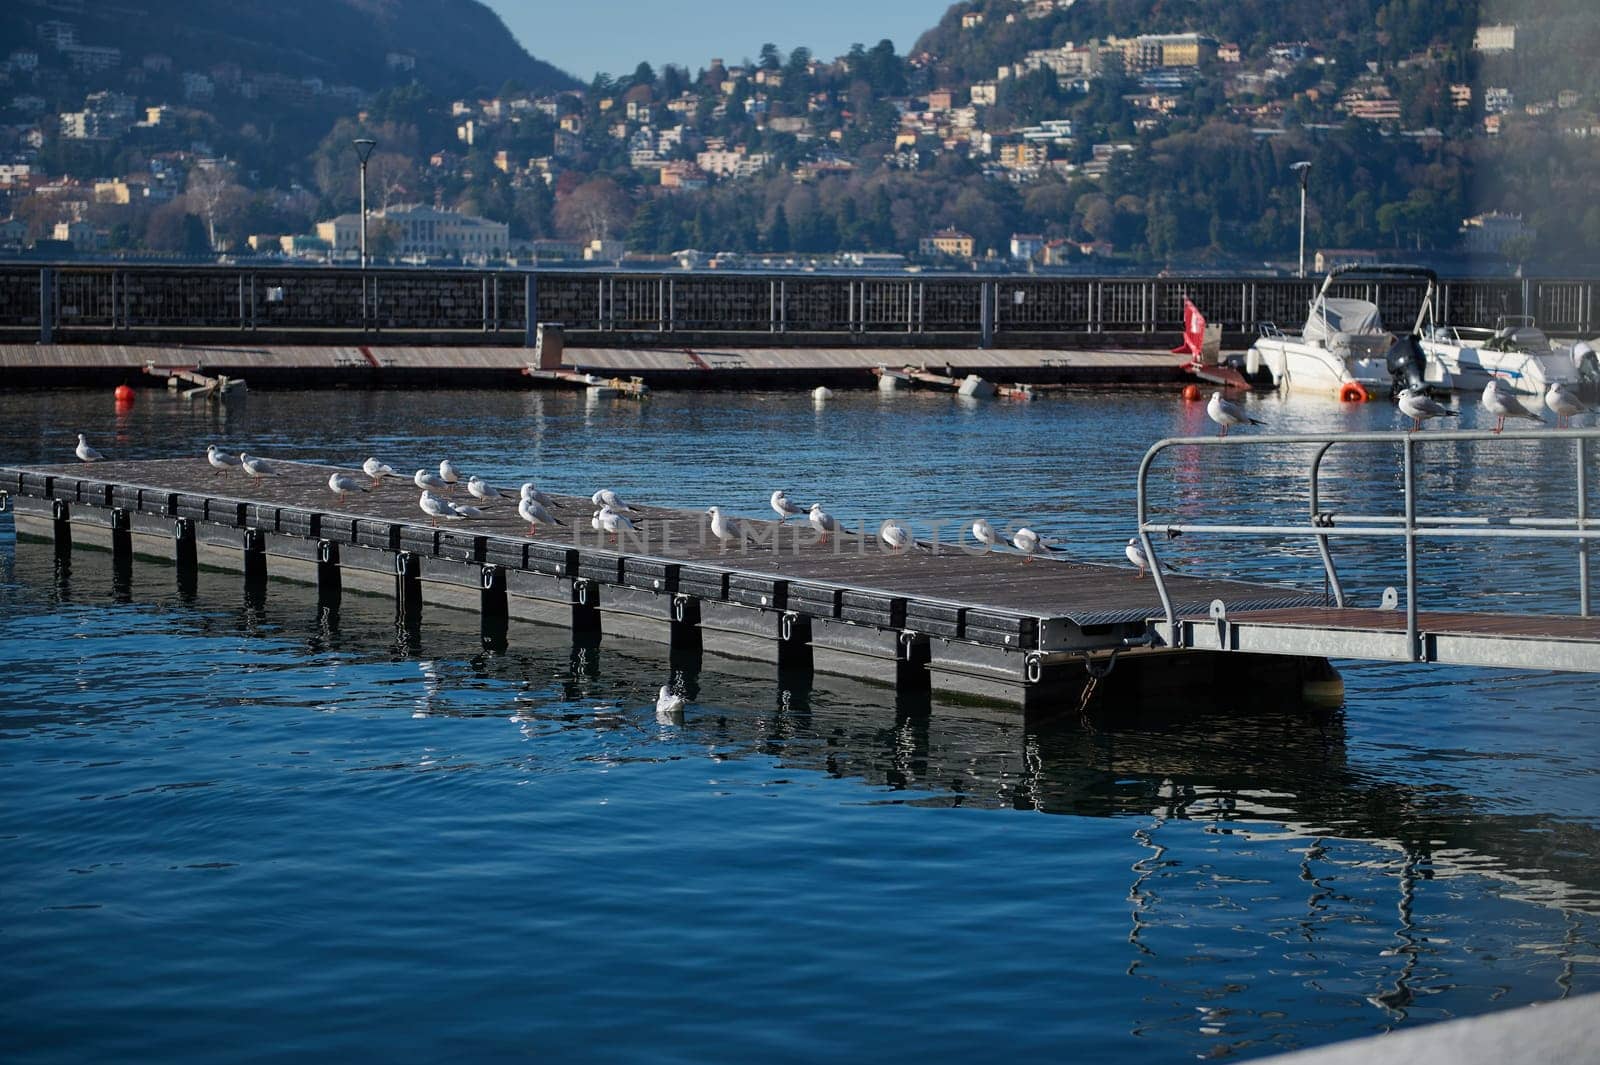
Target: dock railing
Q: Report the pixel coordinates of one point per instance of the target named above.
(1324, 525)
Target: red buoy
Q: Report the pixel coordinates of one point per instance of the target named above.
(124, 394)
(1191, 393)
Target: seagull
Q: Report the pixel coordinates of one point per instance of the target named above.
(669, 707)
(608, 520)
(448, 473)
(1416, 405)
(897, 537)
(1031, 543)
(785, 509)
(1561, 400)
(377, 471)
(220, 460)
(1135, 555)
(437, 508)
(344, 484)
(430, 482)
(986, 535)
(257, 468)
(607, 498)
(534, 513)
(530, 492)
(1502, 402)
(1226, 412)
(86, 453)
(725, 528)
(823, 522)
(482, 489)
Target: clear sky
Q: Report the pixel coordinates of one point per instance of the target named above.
(583, 36)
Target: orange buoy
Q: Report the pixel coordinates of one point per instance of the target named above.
(1191, 393)
(1353, 392)
(123, 394)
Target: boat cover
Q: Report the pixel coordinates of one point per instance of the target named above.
(1355, 317)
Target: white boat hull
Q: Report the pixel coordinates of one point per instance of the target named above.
(1528, 373)
(1299, 367)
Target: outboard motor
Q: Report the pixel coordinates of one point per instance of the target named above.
(1406, 363)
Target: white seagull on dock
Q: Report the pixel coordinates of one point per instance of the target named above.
(897, 537)
(1031, 543)
(344, 484)
(377, 471)
(479, 488)
(1226, 412)
(437, 508)
(1419, 407)
(86, 453)
(449, 474)
(669, 707)
(785, 509)
(609, 521)
(607, 498)
(220, 460)
(725, 528)
(528, 491)
(1561, 399)
(1502, 402)
(534, 513)
(986, 535)
(257, 468)
(1135, 553)
(823, 522)
(430, 482)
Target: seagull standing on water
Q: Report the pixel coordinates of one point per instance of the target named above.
(669, 707)
(449, 474)
(86, 453)
(534, 513)
(1226, 412)
(1502, 402)
(1419, 407)
(344, 484)
(785, 509)
(823, 522)
(1031, 543)
(220, 460)
(1561, 399)
(257, 468)
(377, 471)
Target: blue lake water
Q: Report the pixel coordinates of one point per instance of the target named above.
(237, 828)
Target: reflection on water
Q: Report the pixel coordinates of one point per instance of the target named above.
(226, 805)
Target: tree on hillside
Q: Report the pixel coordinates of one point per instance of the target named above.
(595, 210)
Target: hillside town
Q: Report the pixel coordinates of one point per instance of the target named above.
(1040, 160)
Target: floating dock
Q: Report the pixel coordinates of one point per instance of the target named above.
(948, 618)
(985, 625)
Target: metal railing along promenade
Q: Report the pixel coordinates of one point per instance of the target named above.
(1324, 526)
(66, 302)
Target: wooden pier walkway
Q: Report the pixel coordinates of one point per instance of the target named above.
(988, 625)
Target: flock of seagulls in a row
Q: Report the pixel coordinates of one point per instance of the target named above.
(1498, 400)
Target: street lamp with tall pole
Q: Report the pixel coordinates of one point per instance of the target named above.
(1303, 168)
(364, 146)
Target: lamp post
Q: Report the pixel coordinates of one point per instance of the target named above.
(1303, 168)
(364, 146)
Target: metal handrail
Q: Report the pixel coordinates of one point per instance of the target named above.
(1409, 526)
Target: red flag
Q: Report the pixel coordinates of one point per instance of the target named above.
(1194, 330)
